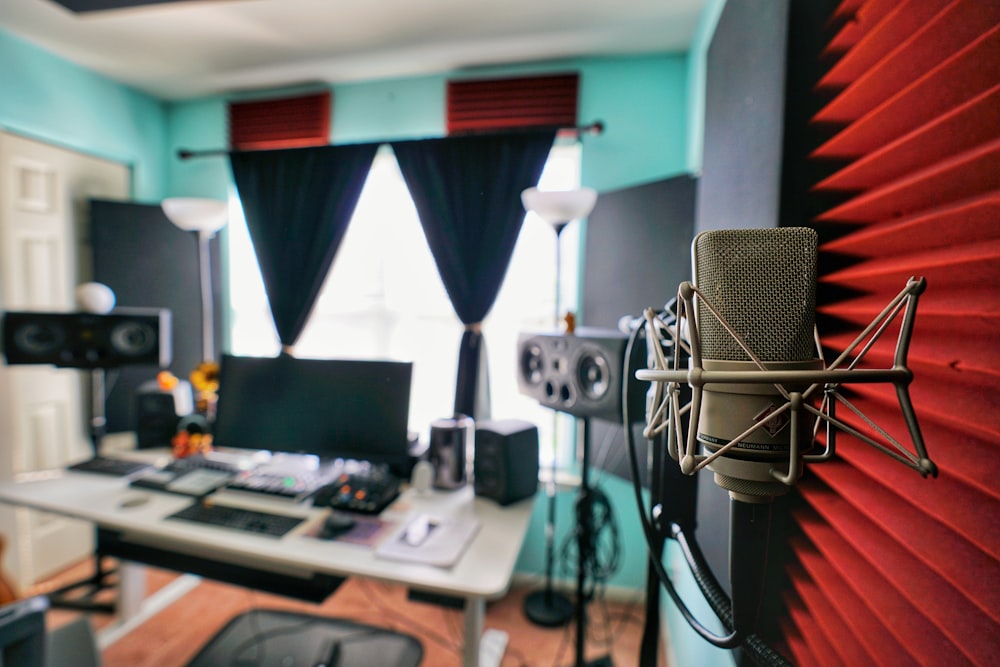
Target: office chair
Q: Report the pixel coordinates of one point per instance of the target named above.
(24, 642)
(262, 636)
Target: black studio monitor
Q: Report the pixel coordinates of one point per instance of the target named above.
(88, 340)
(506, 460)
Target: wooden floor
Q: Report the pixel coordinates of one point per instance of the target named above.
(175, 635)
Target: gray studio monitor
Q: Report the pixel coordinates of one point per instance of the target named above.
(580, 373)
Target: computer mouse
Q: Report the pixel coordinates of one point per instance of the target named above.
(335, 524)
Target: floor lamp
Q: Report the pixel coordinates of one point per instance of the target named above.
(205, 217)
(558, 208)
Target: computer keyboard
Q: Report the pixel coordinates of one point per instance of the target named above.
(366, 489)
(105, 465)
(238, 518)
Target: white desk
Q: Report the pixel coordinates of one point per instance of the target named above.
(482, 573)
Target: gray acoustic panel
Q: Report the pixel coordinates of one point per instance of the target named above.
(150, 263)
(740, 183)
(637, 250)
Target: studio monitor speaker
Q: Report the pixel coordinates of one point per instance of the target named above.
(581, 373)
(88, 340)
(506, 460)
(158, 412)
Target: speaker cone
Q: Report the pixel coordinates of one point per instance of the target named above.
(133, 338)
(593, 375)
(532, 364)
(40, 338)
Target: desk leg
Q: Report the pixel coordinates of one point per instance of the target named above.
(134, 608)
(131, 590)
(475, 615)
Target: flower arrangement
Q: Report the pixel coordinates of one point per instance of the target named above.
(194, 437)
(205, 381)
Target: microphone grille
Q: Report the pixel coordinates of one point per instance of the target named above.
(763, 282)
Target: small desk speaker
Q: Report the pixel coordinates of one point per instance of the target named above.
(506, 460)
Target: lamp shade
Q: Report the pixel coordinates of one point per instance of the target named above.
(193, 214)
(558, 206)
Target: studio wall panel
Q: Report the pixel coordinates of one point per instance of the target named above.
(637, 250)
(740, 183)
(907, 163)
(150, 263)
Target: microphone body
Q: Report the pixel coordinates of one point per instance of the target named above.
(762, 282)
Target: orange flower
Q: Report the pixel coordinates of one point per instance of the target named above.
(166, 380)
(205, 378)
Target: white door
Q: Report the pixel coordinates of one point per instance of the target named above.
(44, 411)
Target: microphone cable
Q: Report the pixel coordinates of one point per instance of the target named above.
(604, 559)
(718, 600)
(728, 641)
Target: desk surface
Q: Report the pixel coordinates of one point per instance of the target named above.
(483, 571)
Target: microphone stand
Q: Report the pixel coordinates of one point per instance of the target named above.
(749, 531)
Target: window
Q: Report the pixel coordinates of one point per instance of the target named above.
(383, 298)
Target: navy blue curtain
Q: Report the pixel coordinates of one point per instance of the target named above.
(467, 191)
(298, 203)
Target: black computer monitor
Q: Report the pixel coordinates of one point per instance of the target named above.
(327, 407)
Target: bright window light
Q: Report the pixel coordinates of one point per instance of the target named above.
(383, 298)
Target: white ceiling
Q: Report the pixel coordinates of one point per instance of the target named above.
(204, 47)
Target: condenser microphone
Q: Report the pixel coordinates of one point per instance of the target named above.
(747, 322)
(762, 284)
(758, 307)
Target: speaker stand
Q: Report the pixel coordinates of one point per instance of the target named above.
(585, 535)
(100, 580)
(546, 607)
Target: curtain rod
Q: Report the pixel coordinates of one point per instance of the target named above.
(595, 128)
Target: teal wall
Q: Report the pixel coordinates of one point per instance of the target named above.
(197, 125)
(696, 64)
(45, 97)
